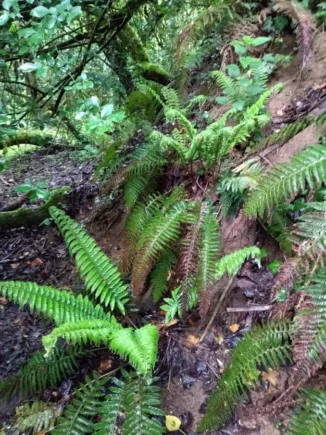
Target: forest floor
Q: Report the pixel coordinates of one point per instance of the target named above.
(188, 368)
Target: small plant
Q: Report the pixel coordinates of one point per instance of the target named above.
(34, 192)
(3, 165)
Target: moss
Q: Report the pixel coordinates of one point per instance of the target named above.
(133, 44)
(33, 137)
(32, 216)
(156, 73)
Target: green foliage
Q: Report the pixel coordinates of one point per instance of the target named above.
(160, 274)
(34, 191)
(208, 251)
(102, 278)
(138, 399)
(37, 417)
(310, 418)
(269, 346)
(231, 263)
(41, 372)
(174, 305)
(287, 179)
(77, 416)
(59, 305)
(139, 346)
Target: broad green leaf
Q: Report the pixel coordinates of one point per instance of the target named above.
(4, 18)
(222, 100)
(28, 67)
(106, 110)
(6, 4)
(239, 47)
(39, 12)
(26, 32)
(238, 105)
(74, 13)
(233, 70)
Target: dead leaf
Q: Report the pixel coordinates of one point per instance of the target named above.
(105, 365)
(235, 327)
(15, 265)
(172, 423)
(191, 341)
(3, 301)
(219, 339)
(271, 376)
(36, 262)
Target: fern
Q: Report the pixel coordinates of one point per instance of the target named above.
(231, 263)
(160, 274)
(59, 305)
(208, 251)
(287, 179)
(41, 372)
(138, 399)
(95, 331)
(161, 232)
(102, 278)
(77, 416)
(310, 418)
(139, 346)
(269, 346)
(37, 417)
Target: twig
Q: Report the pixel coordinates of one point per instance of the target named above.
(250, 309)
(218, 306)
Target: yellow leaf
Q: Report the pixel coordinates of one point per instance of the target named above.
(172, 423)
(271, 376)
(235, 327)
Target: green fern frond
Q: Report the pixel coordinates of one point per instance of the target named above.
(59, 305)
(208, 251)
(138, 399)
(139, 185)
(138, 219)
(171, 97)
(37, 417)
(269, 346)
(101, 277)
(231, 263)
(94, 331)
(287, 179)
(160, 274)
(160, 233)
(286, 133)
(41, 372)
(139, 346)
(224, 81)
(310, 418)
(77, 416)
(173, 115)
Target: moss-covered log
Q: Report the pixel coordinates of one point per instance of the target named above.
(25, 217)
(34, 137)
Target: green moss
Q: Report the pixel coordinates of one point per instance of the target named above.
(33, 137)
(156, 73)
(32, 216)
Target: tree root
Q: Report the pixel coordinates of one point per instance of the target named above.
(25, 217)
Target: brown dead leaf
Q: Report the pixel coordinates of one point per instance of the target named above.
(36, 262)
(235, 327)
(191, 341)
(105, 365)
(3, 301)
(219, 339)
(15, 265)
(271, 376)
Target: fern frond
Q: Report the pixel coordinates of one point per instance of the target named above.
(95, 331)
(310, 418)
(160, 274)
(286, 133)
(77, 416)
(101, 277)
(231, 263)
(139, 346)
(138, 219)
(160, 233)
(173, 115)
(41, 372)
(59, 305)
(287, 179)
(138, 185)
(269, 346)
(37, 417)
(224, 81)
(136, 397)
(171, 97)
(208, 251)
